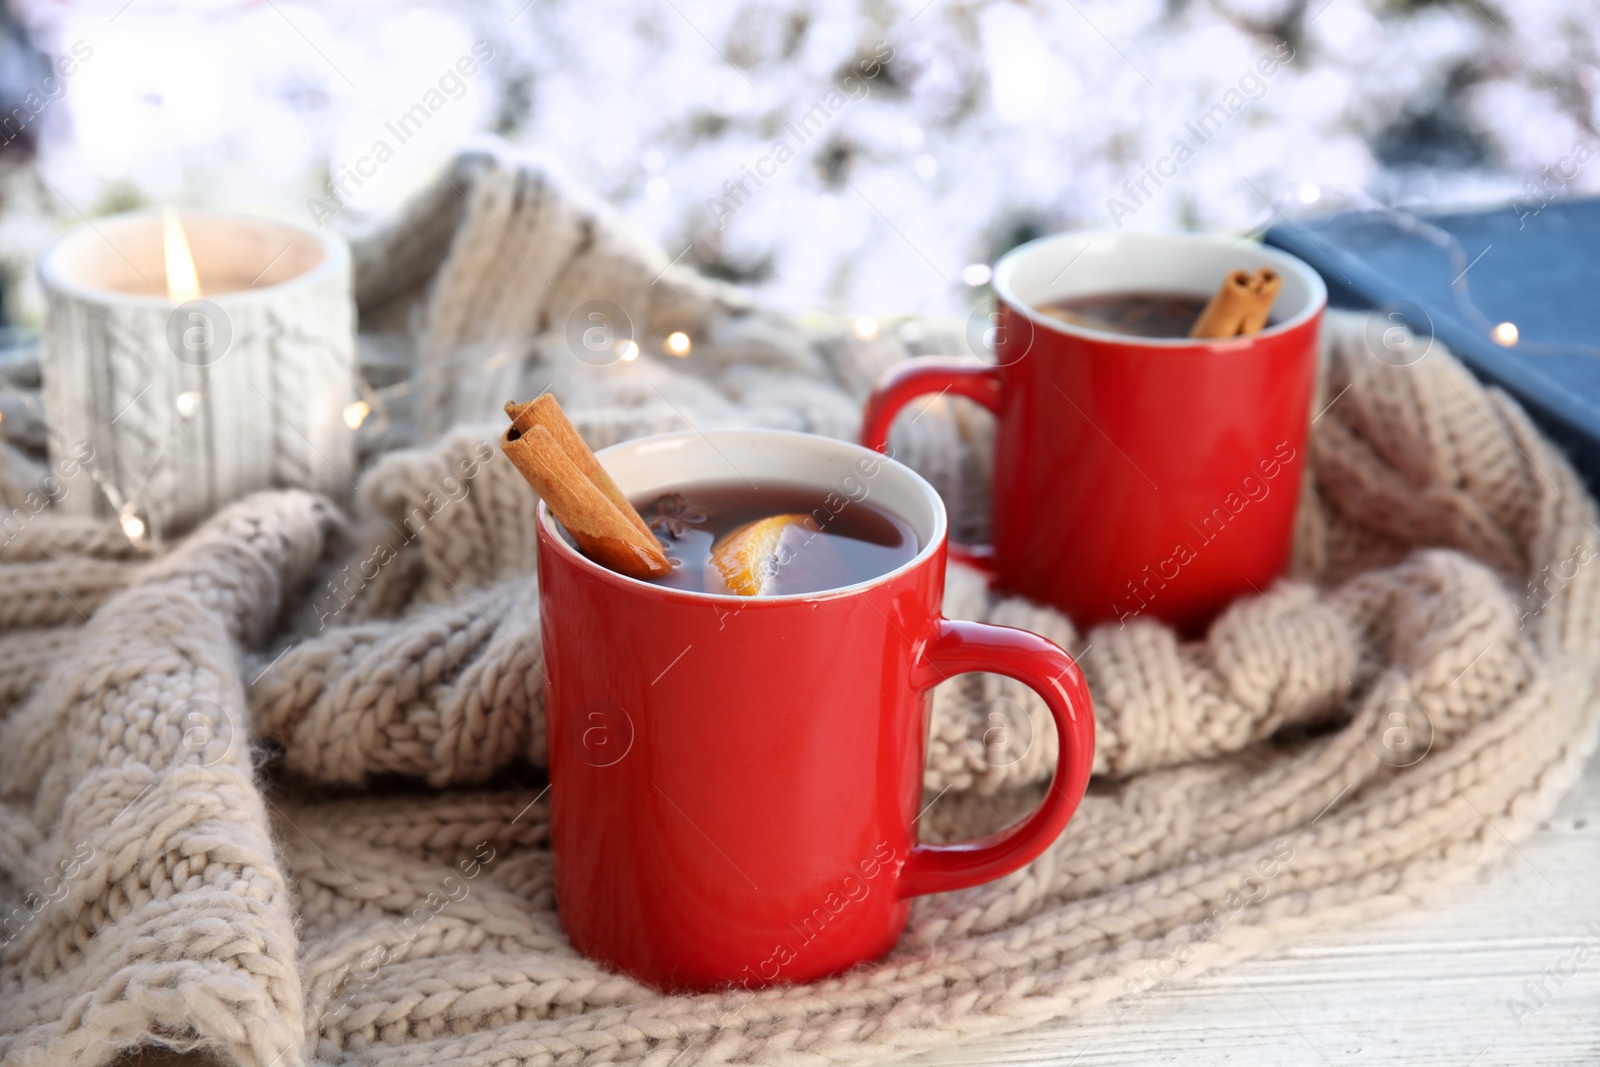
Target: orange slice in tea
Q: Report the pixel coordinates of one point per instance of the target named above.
(749, 557)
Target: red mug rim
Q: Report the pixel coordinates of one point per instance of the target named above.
(932, 544)
(1057, 248)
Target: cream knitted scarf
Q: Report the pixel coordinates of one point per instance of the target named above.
(243, 781)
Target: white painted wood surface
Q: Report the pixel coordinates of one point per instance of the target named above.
(1420, 988)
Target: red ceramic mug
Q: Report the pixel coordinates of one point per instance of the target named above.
(736, 782)
(1133, 475)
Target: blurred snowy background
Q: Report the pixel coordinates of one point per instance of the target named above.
(927, 137)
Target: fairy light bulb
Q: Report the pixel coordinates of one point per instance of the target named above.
(356, 413)
(1505, 334)
(866, 327)
(627, 351)
(187, 403)
(678, 343)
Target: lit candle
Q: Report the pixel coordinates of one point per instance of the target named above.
(198, 357)
(183, 281)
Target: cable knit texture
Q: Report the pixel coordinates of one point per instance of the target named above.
(242, 778)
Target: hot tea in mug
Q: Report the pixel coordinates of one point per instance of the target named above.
(1152, 395)
(736, 779)
(734, 538)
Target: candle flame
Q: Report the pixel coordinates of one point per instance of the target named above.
(183, 282)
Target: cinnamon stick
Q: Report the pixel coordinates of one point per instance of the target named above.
(1240, 305)
(578, 491)
(544, 410)
(1264, 286)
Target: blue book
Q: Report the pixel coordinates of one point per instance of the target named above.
(1461, 277)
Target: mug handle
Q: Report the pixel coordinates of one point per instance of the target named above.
(965, 376)
(961, 647)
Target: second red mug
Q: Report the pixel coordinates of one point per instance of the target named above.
(736, 782)
(1133, 475)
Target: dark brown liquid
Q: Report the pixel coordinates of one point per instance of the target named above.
(1134, 314)
(839, 543)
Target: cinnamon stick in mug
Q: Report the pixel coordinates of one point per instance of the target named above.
(544, 410)
(1240, 306)
(554, 459)
(1264, 287)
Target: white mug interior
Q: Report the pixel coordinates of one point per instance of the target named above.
(649, 466)
(1094, 263)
